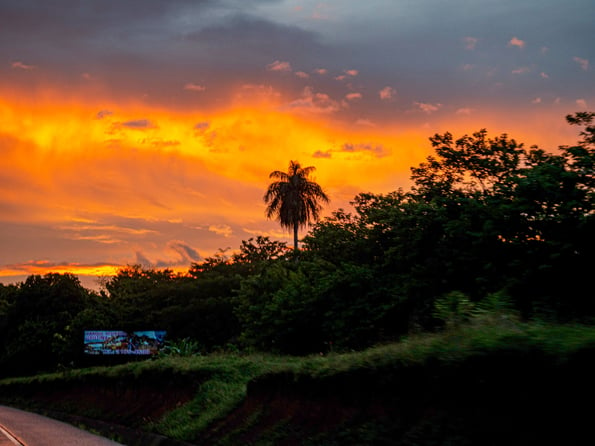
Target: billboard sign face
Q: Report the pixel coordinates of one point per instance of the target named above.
(114, 342)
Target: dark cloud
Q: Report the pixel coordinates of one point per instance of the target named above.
(202, 126)
(103, 113)
(377, 150)
(142, 260)
(246, 37)
(185, 255)
(148, 49)
(321, 154)
(139, 124)
(159, 142)
(151, 48)
(423, 49)
(186, 252)
(63, 20)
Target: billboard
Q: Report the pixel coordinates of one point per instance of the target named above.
(115, 342)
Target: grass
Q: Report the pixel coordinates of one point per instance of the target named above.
(224, 377)
(221, 393)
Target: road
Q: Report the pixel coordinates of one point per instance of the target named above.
(35, 430)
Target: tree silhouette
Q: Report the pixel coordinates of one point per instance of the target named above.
(294, 199)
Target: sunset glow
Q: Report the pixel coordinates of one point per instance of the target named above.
(148, 138)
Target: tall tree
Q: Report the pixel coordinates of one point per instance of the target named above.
(294, 199)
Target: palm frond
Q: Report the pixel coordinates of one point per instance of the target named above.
(294, 199)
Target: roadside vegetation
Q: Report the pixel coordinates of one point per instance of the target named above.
(216, 384)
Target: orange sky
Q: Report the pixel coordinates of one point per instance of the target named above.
(148, 138)
(133, 183)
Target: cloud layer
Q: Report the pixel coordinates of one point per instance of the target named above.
(145, 132)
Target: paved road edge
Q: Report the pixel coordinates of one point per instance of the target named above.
(11, 436)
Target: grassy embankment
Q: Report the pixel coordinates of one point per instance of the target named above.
(512, 383)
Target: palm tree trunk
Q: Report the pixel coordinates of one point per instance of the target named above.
(295, 237)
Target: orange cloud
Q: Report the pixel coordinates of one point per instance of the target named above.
(583, 63)
(45, 266)
(194, 87)
(353, 96)
(279, 66)
(251, 93)
(387, 93)
(22, 66)
(365, 122)
(224, 230)
(427, 107)
(515, 41)
(312, 102)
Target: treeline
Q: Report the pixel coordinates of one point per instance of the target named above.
(488, 226)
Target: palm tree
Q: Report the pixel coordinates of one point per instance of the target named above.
(294, 199)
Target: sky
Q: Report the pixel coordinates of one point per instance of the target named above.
(144, 131)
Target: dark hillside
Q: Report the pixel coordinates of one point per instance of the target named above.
(489, 386)
(509, 398)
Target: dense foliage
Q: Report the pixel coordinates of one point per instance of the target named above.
(487, 225)
(487, 221)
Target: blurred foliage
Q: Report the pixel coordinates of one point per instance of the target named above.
(492, 370)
